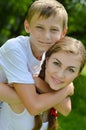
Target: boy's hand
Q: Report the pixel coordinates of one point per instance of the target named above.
(71, 89)
(41, 85)
(64, 107)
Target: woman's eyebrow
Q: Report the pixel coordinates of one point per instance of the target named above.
(57, 60)
(72, 66)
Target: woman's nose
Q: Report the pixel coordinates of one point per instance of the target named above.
(60, 74)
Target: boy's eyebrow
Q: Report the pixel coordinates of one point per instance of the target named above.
(41, 24)
(56, 27)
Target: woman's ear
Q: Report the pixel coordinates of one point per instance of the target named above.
(26, 26)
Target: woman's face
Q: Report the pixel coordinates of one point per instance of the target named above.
(61, 69)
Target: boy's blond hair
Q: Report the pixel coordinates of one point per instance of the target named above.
(47, 8)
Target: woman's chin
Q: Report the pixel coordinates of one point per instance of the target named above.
(54, 88)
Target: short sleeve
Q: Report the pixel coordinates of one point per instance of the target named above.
(14, 64)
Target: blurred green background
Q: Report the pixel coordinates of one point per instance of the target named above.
(12, 14)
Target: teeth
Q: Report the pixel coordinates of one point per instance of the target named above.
(57, 81)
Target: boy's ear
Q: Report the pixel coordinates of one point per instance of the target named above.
(64, 33)
(26, 26)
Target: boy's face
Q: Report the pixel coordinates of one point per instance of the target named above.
(44, 32)
(61, 69)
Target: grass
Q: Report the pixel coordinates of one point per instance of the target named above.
(77, 118)
(75, 121)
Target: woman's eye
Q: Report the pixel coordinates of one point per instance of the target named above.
(56, 63)
(72, 70)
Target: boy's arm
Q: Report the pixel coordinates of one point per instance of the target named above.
(37, 103)
(64, 107)
(8, 94)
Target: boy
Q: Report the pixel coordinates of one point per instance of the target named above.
(46, 21)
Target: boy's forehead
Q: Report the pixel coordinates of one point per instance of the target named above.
(46, 14)
(56, 19)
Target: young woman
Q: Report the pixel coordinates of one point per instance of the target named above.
(63, 63)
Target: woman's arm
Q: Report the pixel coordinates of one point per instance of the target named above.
(8, 94)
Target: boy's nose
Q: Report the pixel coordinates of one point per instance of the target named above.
(47, 35)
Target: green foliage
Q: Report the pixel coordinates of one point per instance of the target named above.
(75, 121)
(12, 14)
(77, 16)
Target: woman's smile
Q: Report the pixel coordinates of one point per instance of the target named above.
(56, 81)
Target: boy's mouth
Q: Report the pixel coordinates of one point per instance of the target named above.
(42, 42)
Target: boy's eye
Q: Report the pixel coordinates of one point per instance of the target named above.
(54, 30)
(39, 27)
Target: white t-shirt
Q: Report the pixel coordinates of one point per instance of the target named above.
(10, 120)
(17, 64)
(17, 60)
